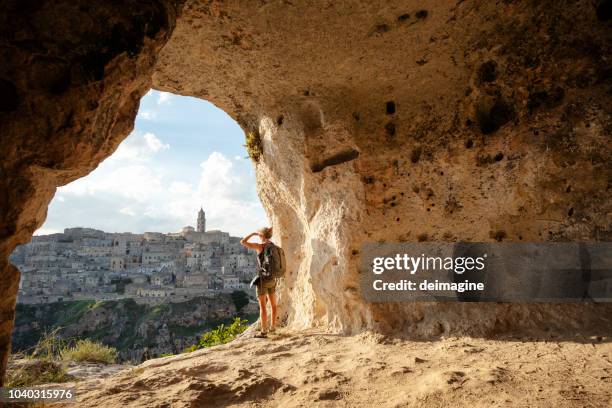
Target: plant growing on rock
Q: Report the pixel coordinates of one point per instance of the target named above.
(41, 365)
(221, 335)
(253, 145)
(90, 351)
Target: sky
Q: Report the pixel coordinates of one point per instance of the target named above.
(183, 153)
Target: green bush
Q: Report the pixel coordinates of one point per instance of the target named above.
(240, 299)
(91, 351)
(253, 145)
(33, 372)
(221, 335)
(41, 365)
(49, 346)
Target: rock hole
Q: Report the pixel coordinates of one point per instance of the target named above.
(487, 72)
(9, 97)
(498, 235)
(498, 157)
(469, 144)
(338, 158)
(381, 28)
(356, 116)
(390, 129)
(568, 189)
(570, 212)
(390, 108)
(548, 99)
(421, 14)
(279, 120)
(415, 156)
(498, 115)
(367, 179)
(422, 237)
(604, 10)
(403, 17)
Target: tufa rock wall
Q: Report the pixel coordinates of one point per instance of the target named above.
(468, 120)
(475, 120)
(71, 79)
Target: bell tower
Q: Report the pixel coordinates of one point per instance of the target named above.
(201, 221)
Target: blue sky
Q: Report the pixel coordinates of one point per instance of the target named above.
(184, 152)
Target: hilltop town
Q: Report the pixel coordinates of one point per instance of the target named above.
(84, 263)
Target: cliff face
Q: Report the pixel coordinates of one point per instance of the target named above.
(466, 120)
(129, 327)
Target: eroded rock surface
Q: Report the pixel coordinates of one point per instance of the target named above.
(71, 79)
(469, 120)
(312, 368)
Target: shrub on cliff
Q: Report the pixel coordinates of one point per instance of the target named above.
(90, 351)
(221, 335)
(28, 372)
(240, 299)
(253, 145)
(40, 365)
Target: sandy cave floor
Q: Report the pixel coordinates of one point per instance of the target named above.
(318, 369)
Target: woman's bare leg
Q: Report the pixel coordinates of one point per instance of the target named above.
(262, 313)
(272, 298)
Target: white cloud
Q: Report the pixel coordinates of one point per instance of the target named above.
(142, 188)
(131, 182)
(46, 231)
(127, 211)
(145, 198)
(148, 115)
(180, 187)
(139, 146)
(225, 189)
(154, 144)
(164, 98)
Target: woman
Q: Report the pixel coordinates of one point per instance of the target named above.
(263, 288)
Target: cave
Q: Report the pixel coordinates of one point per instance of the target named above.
(339, 100)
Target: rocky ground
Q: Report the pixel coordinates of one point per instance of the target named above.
(314, 368)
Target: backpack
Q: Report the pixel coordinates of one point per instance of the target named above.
(271, 262)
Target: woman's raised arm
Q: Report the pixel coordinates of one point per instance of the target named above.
(245, 242)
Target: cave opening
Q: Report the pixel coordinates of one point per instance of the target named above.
(183, 153)
(157, 222)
